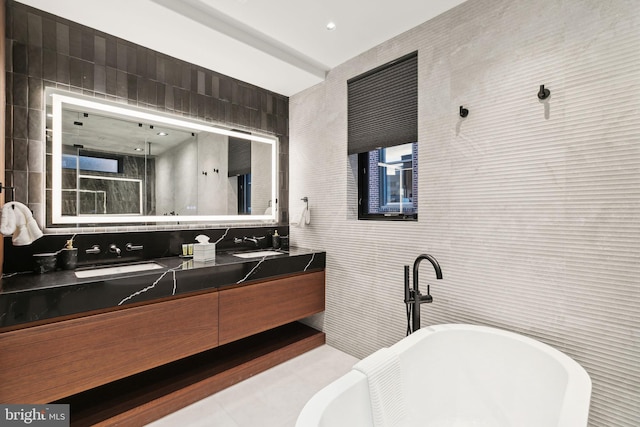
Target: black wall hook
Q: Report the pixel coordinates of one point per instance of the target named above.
(463, 111)
(543, 93)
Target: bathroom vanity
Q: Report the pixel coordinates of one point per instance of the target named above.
(120, 176)
(132, 347)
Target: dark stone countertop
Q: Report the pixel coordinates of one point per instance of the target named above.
(31, 297)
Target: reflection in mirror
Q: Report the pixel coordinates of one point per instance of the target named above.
(112, 163)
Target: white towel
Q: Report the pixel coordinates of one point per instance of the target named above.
(17, 221)
(303, 218)
(382, 369)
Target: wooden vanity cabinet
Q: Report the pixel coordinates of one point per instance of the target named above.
(44, 363)
(248, 310)
(134, 365)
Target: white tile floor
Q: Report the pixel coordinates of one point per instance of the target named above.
(273, 398)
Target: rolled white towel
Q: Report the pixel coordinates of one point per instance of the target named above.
(17, 221)
(33, 230)
(8, 219)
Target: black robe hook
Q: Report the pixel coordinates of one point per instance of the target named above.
(463, 111)
(543, 93)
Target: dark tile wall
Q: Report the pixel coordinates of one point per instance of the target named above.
(44, 50)
(156, 244)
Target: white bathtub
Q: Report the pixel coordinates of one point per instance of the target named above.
(464, 375)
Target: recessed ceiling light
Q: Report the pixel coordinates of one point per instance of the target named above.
(162, 134)
(331, 26)
(138, 149)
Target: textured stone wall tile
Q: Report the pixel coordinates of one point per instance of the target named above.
(34, 61)
(75, 71)
(35, 128)
(49, 34)
(111, 52)
(49, 64)
(62, 39)
(35, 156)
(20, 90)
(100, 50)
(75, 42)
(150, 70)
(20, 26)
(121, 84)
(34, 23)
(19, 58)
(19, 122)
(99, 78)
(62, 69)
(20, 154)
(160, 95)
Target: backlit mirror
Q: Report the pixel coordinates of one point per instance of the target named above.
(115, 164)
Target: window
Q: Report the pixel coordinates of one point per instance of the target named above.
(244, 194)
(383, 133)
(91, 163)
(388, 183)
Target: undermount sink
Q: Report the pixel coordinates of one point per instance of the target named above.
(257, 254)
(117, 269)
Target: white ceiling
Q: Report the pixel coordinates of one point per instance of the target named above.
(280, 45)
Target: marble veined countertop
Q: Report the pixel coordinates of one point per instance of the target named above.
(30, 297)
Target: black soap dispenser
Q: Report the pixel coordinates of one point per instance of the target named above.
(68, 256)
(276, 240)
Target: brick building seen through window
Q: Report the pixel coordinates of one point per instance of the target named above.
(389, 178)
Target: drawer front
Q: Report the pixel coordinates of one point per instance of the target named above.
(49, 362)
(248, 310)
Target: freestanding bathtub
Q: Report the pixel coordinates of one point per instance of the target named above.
(460, 375)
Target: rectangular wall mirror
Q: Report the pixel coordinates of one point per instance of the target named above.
(110, 163)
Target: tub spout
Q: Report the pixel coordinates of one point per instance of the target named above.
(415, 297)
(416, 264)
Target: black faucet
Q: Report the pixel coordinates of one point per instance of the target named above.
(254, 241)
(412, 297)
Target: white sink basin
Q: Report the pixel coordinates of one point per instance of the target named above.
(117, 269)
(257, 254)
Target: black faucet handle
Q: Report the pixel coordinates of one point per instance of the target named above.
(426, 299)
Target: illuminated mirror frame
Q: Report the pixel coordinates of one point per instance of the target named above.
(57, 99)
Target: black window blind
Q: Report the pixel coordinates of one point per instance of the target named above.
(239, 156)
(383, 106)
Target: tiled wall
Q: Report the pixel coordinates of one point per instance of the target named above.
(531, 207)
(157, 244)
(44, 50)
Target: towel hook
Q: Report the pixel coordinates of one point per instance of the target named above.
(13, 191)
(543, 93)
(305, 199)
(464, 112)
